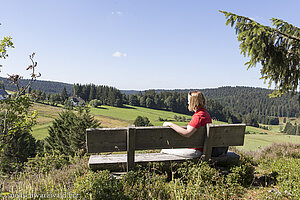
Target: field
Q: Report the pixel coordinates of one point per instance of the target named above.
(122, 117)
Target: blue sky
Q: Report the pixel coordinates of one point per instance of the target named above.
(153, 44)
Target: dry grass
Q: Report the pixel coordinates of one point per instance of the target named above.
(108, 122)
(46, 114)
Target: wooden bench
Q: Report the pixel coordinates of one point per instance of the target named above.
(130, 139)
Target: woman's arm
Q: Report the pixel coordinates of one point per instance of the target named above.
(184, 132)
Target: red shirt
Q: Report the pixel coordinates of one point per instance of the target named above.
(200, 118)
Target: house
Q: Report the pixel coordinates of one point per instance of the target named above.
(77, 101)
(3, 94)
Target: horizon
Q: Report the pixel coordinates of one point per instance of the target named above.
(154, 88)
(135, 45)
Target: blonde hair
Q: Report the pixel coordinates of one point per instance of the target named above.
(197, 100)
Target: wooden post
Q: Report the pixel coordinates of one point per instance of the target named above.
(130, 147)
(207, 149)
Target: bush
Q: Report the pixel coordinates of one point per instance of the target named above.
(18, 148)
(279, 150)
(95, 103)
(16, 141)
(46, 163)
(146, 183)
(201, 181)
(55, 182)
(243, 174)
(142, 121)
(99, 185)
(68, 104)
(288, 179)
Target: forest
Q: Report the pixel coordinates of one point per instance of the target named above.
(228, 104)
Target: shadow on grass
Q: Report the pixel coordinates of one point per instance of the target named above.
(127, 107)
(99, 107)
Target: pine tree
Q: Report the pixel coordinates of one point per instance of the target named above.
(133, 100)
(276, 48)
(67, 132)
(64, 95)
(2, 85)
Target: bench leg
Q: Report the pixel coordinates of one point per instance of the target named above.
(130, 148)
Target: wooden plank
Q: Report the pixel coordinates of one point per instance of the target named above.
(166, 138)
(117, 162)
(226, 135)
(207, 149)
(114, 139)
(130, 148)
(106, 140)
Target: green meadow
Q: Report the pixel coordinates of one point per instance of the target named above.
(256, 142)
(129, 113)
(121, 117)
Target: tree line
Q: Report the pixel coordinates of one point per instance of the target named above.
(229, 104)
(105, 94)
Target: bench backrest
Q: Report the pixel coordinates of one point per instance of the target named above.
(147, 138)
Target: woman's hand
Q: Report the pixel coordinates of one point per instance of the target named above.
(167, 123)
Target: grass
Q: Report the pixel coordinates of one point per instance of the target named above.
(129, 113)
(122, 117)
(271, 173)
(40, 131)
(47, 113)
(255, 142)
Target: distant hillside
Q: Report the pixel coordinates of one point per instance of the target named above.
(46, 86)
(244, 100)
(239, 99)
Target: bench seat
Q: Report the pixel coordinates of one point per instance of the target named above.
(118, 162)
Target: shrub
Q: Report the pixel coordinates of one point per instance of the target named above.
(56, 181)
(201, 181)
(288, 179)
(243, 174)
(46, 163)
(68, 104)
(16, 141)
(279, 150)
(146, 183)
(95, 103)
(142, 121)
(99, 185)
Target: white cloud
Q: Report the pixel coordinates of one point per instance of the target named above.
(119, 13)
(119, 54)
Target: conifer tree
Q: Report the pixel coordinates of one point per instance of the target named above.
(64, 94)
(67, 132)
(2, 85)
(276, 48)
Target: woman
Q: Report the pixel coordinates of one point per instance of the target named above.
(201, 117)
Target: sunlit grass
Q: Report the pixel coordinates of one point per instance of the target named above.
(254, 142)
(122, 117)
(129, 113)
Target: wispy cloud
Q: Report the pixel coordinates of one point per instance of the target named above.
(119, 54)
(119, 13)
